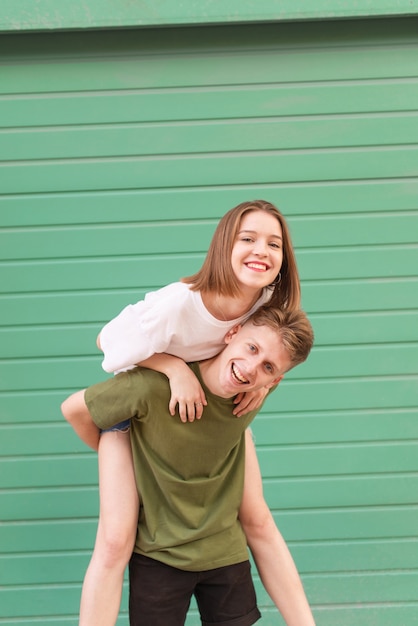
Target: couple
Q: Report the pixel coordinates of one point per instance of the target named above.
(197, 481)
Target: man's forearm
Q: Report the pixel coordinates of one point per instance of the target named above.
(272, 557)
(278, 573)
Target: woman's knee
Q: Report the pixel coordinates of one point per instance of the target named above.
(115, 545)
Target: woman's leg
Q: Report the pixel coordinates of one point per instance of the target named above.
(119, 505)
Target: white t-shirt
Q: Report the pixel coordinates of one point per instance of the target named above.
(172, 320)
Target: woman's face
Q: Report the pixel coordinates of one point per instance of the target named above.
(257, 254)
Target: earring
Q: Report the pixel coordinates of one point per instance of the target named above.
(277, 281)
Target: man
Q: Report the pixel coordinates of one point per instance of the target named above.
(191, 479)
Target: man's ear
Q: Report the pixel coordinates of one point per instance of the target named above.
(233, 331)
(275, 382)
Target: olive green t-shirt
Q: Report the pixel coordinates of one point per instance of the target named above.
(189, 476)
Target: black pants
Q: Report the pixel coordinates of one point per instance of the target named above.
(159, 595)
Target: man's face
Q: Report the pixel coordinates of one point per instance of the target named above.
(254, 357)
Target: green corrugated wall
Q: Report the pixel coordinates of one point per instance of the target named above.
(119, 153)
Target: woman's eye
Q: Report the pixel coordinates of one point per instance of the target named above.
(269, 368)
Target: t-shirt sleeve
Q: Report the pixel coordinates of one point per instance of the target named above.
(112, 401)
(141, 330)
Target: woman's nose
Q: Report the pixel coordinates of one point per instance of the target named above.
(260, 247)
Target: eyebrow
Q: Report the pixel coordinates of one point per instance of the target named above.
(254, 232)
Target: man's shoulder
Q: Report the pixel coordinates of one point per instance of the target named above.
(143, 386)
(142, 375)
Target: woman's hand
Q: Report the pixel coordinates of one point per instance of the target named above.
(186, 391)
(249, 401)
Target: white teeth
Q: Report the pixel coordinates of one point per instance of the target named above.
(238, 375)
(257, 266)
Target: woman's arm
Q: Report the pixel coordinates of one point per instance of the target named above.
(249, 401)
(274, 562)
(186, 390)
(77, 414)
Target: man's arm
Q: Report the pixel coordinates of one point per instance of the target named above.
(77, 414)
(274, 562)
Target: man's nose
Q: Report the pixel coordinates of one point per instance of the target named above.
(253, 366)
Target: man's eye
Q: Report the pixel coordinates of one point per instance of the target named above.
(269, 368)
(252, 347)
